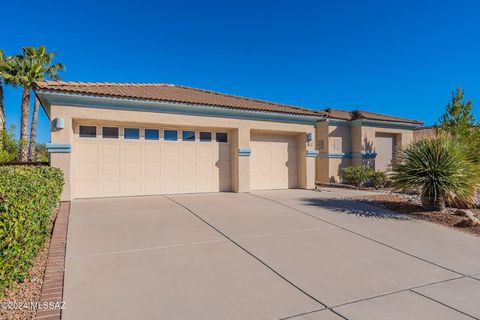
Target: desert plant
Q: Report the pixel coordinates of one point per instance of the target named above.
(379, 179)
(358, 176)
(28, 196)
(459, 122)
(438, 169)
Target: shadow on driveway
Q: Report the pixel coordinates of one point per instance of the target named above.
(354, 207)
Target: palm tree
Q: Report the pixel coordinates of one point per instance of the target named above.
(34, 64)
(2, 104)
(50, 70)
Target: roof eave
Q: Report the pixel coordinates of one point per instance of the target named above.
(52, 97)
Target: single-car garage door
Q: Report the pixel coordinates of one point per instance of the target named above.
(128, 161)
(273, 162)
(384, 146)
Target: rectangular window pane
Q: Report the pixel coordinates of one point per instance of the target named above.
(152, 134)
(110, 132)
(205, 136)
(88, 132)
(222, 137)
(170, 135)
(131, 133)
(188, 135)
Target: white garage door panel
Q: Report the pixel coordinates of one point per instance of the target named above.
(274, 162)
(115, 167)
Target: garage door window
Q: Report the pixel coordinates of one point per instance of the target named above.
(188, 135)
(88, 132)
(152, 134)
(222, 137)
(206, 136)
(170, 135)
(131, 133)
(110, 132)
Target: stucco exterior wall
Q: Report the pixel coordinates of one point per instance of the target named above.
(239, 130)
(343, 143)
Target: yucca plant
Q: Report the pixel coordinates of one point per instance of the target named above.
(438, 168)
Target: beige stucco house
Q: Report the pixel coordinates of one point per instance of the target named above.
(114, 139)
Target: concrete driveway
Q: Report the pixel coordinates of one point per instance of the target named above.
(287, 254)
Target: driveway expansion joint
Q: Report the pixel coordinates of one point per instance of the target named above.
(443, 304)
(393, 292)
(172, 246)
(358, 234)
(248, 252)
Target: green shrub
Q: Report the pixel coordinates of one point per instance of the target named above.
(379, 179)
(28, 196)
(8, 145)
(439, 169)
(358, 176)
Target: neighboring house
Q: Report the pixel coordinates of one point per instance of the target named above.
(120, 139)
(424, 132)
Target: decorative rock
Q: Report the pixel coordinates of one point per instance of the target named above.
(471, 220)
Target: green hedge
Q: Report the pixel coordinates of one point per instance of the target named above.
(28, 197)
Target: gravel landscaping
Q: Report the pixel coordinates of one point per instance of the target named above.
(410, 205)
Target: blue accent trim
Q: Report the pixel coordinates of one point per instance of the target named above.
(244, 152)
(79, 100)
(364, 155)
(312, 153)
(59, 148)
(334, 155)
(368, 123)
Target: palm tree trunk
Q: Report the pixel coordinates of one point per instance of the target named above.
(2, 113)
(24, 125)
(33, 130)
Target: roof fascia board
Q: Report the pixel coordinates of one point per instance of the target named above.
(383, 124)
(80, 100)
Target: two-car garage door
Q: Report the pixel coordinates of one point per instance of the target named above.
(165, 162)
(125, 161)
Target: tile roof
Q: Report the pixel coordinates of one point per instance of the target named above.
(360, 114)
(171, 93)
(183, 94)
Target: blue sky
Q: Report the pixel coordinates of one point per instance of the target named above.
(398, 57)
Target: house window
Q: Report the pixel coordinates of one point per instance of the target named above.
(222, 137)
(206, 136)
(188, 135)
(88, 132)
(131, 133)
(152, 134)
(170, 135)
(110, 132)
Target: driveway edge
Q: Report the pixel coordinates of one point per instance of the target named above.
(52, 288)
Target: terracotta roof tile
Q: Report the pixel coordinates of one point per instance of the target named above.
(171, 93)
(360, 114)
(183, 94)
